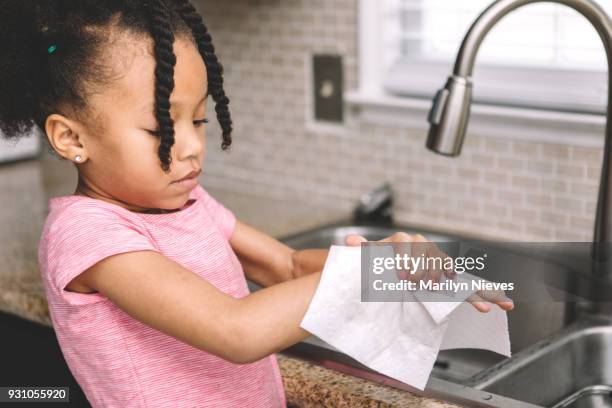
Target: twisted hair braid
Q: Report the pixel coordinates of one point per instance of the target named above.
(35, 82)
(164, 78)
(213, 67)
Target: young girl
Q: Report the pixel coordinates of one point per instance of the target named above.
(144, 271)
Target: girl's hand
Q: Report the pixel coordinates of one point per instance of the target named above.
(479, 300)
(430, 250)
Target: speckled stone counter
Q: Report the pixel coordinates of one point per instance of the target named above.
(310, 385)
(26, 187)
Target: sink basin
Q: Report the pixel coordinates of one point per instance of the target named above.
(326, 236)
(454, 365)
(454, 372)
(571, 369)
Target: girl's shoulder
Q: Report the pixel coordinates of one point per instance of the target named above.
(77, 213)
(90, 214)
(69, 204)
(80, 231)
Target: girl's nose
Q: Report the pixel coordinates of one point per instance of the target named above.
(189, 143)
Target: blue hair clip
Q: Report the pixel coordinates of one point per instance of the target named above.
(51, 49)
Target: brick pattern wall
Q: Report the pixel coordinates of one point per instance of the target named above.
(499, 189)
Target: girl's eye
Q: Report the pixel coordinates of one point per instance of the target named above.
(197, 123)
(200, 122)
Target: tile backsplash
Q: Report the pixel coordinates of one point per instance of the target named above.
(498, 188)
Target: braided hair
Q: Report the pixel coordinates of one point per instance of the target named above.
(52, 60)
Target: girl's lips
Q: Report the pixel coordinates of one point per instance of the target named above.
(192, 174)
(186, 183)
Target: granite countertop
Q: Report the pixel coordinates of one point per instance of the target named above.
(27, 186)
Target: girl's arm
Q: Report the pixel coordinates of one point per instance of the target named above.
(267, 261)
(162, 294)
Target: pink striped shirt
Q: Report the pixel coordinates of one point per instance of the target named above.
(119, 361)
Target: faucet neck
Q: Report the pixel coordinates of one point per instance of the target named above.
(464, 67)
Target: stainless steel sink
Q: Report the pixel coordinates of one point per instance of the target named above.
(329, 235)
(455, 372)
(571, 369)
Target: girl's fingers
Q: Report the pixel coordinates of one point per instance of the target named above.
(498, 297)
(506, 305)
(401, 236)
(479, 303)
(354, 240)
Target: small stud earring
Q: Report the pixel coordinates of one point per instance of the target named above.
(78, 158)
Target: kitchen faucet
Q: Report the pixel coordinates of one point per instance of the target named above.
(449, 114)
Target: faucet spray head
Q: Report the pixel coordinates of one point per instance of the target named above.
(449, 116)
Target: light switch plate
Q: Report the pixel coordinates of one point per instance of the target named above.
(328, 88)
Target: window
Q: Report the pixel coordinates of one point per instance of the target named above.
(542, 55)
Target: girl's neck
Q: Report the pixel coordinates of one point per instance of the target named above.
(82, 190)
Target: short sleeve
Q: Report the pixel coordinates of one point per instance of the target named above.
(83, 235)
(223, 217)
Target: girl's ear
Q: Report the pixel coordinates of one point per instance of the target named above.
(63, 137)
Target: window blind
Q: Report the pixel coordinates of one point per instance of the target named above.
(545, 45)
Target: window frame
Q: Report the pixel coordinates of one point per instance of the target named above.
(374, 102)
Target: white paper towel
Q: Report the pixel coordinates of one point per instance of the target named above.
(397, 339)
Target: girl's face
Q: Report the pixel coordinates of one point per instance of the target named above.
(121, 162)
